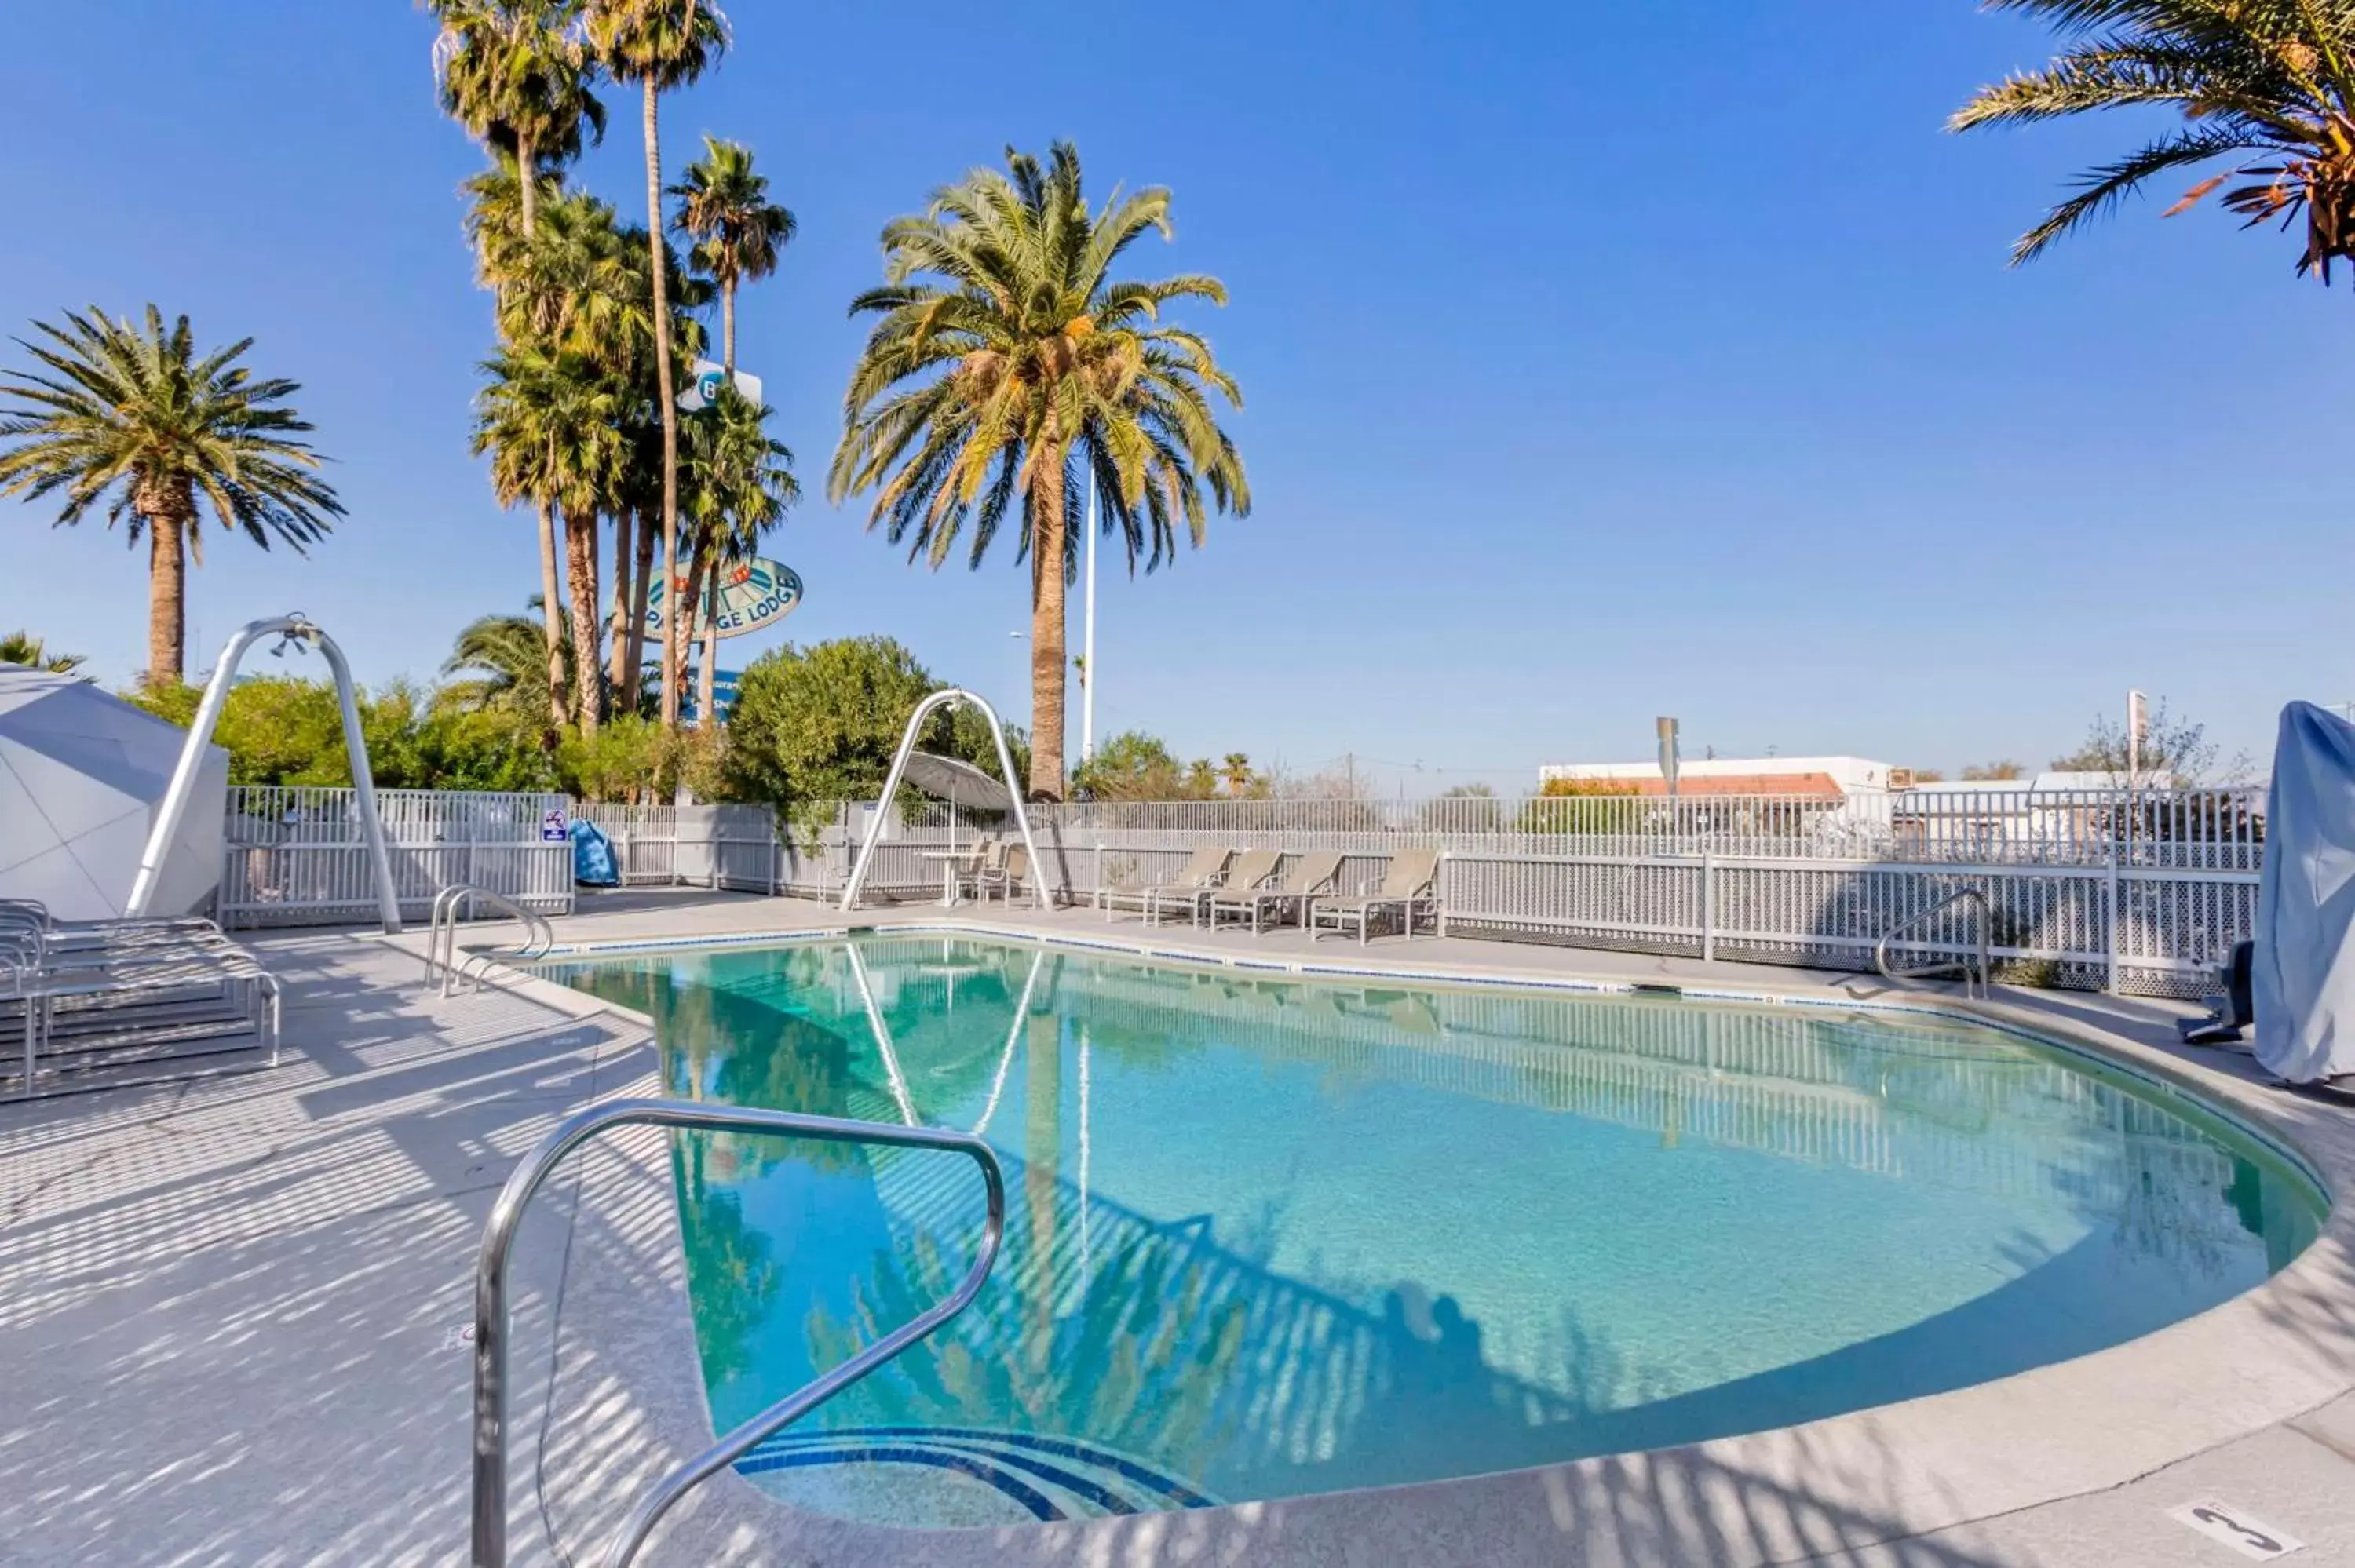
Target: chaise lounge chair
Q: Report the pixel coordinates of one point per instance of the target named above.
(1252, 870)
(1410, 882)
(1311, 873)
(1202, 869)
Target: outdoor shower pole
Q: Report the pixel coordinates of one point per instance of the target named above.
(168, 817)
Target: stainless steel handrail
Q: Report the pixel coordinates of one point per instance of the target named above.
(1039, 899)
(441, 933)
(490, 1484)
(1986, 917)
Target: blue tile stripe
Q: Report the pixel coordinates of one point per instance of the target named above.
(1119, 1463)
(802, 1458)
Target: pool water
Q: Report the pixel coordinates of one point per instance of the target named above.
(1268, 1236)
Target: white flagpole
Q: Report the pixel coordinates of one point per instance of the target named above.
(1088, 657)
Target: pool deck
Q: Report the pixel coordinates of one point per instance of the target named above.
(232, 1310)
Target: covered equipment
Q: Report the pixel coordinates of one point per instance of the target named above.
(2303, 979)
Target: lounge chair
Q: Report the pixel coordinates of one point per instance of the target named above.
(1251, 870)
(1410, 882)
(1311, 873)
(1202, 869)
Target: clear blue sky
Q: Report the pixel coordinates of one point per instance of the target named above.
(1602, 361)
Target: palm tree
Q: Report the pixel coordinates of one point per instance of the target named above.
(516, 74)
(2268, 84)
(1023, 359)
(740, 483)
(500, 656)
(548, 421)
(141, 422)
(725, 207)
(24, 648)
(1237, 772)
(661, 45)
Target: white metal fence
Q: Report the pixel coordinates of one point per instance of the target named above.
(294, 854)
(2140, 891)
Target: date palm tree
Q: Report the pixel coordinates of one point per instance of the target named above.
(138, 420)
(2268, 84)
(548, 421)
(724, 207)
(661, 45)
(1007, 362)
(516, 75)
(24, 648)
(739, 485)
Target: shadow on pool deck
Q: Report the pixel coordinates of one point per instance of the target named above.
(226, 1307)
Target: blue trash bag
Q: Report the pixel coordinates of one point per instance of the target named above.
(592, 857)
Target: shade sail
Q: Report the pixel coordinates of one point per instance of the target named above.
(81, 775)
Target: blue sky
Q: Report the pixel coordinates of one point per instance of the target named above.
(1601, 362)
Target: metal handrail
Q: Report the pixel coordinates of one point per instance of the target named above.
(441, 933)
(490, 1484)
(1986, 917)
(924, 710)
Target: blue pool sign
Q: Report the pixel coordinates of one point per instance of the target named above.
(752, 595)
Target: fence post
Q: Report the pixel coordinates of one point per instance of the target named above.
(2110, 917)
(1709, 906)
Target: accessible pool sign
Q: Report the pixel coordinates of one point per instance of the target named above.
(752, 595)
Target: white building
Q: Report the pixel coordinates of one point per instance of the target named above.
(1816, 778)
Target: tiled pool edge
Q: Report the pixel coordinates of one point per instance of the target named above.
(2055, 1432)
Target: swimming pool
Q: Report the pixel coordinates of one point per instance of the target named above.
(1269, 1236)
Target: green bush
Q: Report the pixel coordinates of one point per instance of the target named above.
(820, 723)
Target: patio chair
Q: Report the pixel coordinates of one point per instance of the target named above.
(1311, 873)
(980, 866)
(1410, 882)
(1251, 870)
(1013, 866)
(1202, 869)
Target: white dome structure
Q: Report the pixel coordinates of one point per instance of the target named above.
(82, 776)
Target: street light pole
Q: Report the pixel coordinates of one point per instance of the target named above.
(1088, 640)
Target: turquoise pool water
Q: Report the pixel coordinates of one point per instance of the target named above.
(1268, 1236)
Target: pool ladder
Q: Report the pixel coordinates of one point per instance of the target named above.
(442, 934)
(490, 1477)
(1973, 965)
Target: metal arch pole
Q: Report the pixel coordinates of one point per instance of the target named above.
(192, 757)
(925, 710)
(489, 1504)
(388, 896)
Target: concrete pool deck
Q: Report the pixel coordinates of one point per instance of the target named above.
(231, 1307)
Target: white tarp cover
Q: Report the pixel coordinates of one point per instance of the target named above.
(81, 775)
(2303, 983)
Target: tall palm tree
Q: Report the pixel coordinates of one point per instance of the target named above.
(661, 45)
(2267, 83)
(1008, 361)
(724, 207)
(141, 422)
(548, 421)
(516, 75)
(740, 483)
(24, 648)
